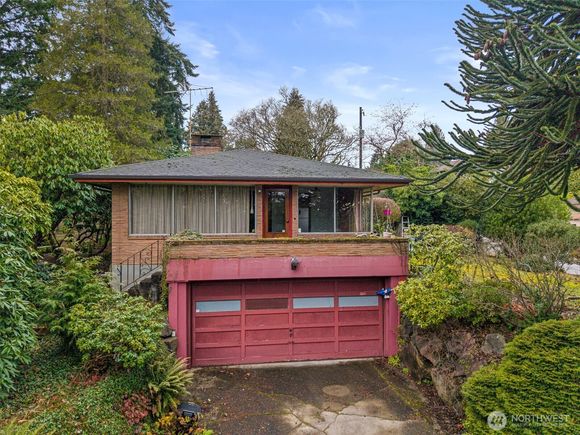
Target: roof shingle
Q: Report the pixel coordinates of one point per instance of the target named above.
(240, 165)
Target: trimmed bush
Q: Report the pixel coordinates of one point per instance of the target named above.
(433, 293)
(117, 329)
(538, 377)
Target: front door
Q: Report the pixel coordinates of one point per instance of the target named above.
(277, 212)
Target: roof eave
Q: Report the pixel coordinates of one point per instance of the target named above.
(92, 179)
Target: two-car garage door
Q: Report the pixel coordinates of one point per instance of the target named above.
(238, 322)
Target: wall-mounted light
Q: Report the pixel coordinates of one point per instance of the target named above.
(294, 262)
(385, 293)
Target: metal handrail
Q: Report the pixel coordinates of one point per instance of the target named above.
(140, 264)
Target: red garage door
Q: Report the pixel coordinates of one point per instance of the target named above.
(285, 320)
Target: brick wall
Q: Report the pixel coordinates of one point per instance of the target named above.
(205, 150)
(287, 248)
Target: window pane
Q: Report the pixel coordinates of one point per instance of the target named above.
(267, 304)
(150, 209)
(217, 306)
(348, 207)
(366, 211)
(194, 209)
(324, 302)
(277, 210)
(234, 209)
(358, 301)
(316, 210)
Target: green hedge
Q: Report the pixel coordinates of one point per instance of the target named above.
(537, 377)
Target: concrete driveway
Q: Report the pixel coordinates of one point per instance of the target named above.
(348, 398)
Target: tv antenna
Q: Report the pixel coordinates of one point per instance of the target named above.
(189, 89)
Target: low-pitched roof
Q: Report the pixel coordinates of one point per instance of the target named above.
(239, 165)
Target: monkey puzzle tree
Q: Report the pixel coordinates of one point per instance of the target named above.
(521, 90)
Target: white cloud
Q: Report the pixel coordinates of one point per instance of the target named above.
(243, 46)
(359, 81)
(333, 18)
(298, 71)
(346, 79)
(190, 40)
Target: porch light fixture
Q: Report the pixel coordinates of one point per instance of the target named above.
(189, 409)
(294, 262)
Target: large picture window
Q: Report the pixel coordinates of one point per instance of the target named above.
(163, 210)
(151, 209)
(330, 209)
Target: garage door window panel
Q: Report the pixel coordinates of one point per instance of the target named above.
(314, 302)
(217, 306)
(358, 301)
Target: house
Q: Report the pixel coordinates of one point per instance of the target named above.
(285, 270)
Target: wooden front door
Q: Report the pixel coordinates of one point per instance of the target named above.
(277, 212)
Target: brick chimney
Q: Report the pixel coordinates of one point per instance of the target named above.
(203, 144)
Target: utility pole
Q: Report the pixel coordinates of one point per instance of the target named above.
(361, 134)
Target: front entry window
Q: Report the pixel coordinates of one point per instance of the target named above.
(277, 212)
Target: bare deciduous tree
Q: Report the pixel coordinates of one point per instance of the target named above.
(394, 125)
(310, 130)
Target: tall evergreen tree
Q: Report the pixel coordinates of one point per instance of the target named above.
(524, 95)
(293, 132)
(98, 63)
(172, 68)
(21, 24)
(207, 118)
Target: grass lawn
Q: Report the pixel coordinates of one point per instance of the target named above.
(56, 394)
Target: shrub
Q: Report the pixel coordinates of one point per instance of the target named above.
(487, 302)
(531, 271)
(117, 329)
(560, 234)
(502, 222)
(433, 292)
(470, 224)
(430, 300)
(22, 216)
(73, 282)
(168, 382)
(538, 376)
(48, 152)
(17, 336)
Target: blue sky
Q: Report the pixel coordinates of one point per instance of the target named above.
(355, 53)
